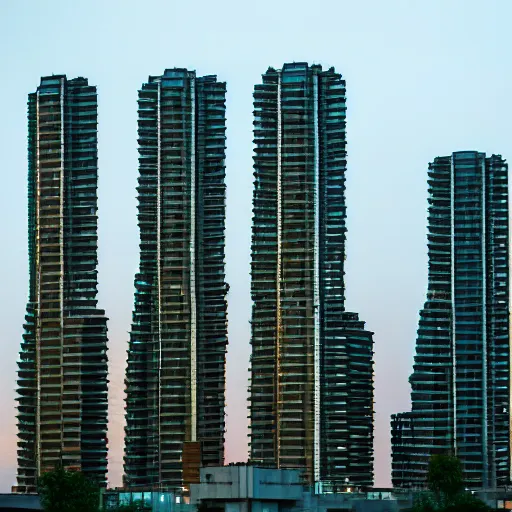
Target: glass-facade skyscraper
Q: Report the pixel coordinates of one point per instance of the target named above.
(311, 391)
(461, 378)
(176, 359)
(62, 370)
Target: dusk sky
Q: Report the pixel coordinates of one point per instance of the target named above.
(424, 78)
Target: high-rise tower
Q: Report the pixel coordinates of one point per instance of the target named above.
(176, 357)
(461, 379)
(62, 376)
(311, 394)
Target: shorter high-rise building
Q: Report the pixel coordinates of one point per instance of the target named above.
(62, 375)
(461, 378)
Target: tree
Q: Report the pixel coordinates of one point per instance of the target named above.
(462, 502)
(445, 475)
(466, 502)
(66, 491)
(425, 502)
(446, 484)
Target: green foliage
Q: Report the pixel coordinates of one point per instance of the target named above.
(462, 502)
(445, 475)
(446, 483)
(426, 502)
(466, 502)
(68, 491)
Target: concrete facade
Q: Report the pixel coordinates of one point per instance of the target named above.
(249, 488)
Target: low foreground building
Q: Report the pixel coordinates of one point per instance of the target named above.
(243, 488)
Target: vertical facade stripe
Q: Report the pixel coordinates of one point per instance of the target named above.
(193, 301)
(38, 297)
(279, 191)
(454, 310)
(316, 289)
(485, 361)
(61, 256)
(159, 266)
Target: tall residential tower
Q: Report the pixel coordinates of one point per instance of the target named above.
(461, 377)
(176, 359)
(62, 376)
(311, 394)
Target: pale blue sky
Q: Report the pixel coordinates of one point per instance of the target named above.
(424, 78)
